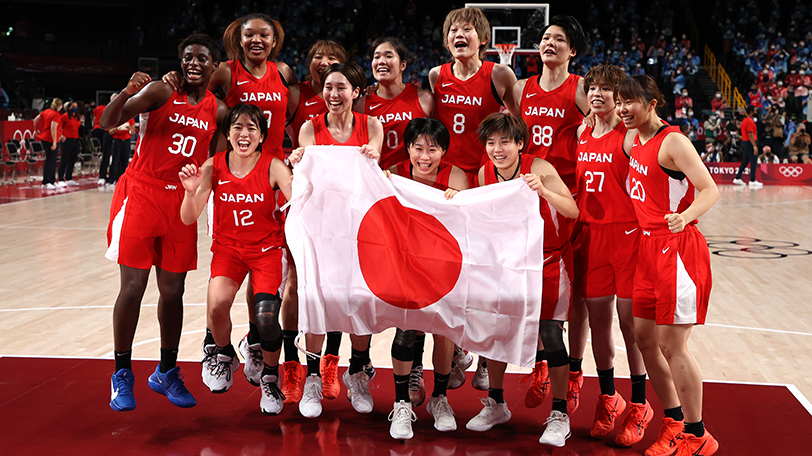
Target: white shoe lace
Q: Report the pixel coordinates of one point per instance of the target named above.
(402, 415)
(441, 408)
(359, 384)
(489, 409)
(312, 391)
(414, 378)
(556, 422)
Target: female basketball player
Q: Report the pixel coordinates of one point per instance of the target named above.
(247, 237)
(466, 90)
(673, 277)
(177, 128)
(343, 83)
(504, 137)
(553, 104)
(253, 76)
(605, 247)
(426, 141)
(393, 102)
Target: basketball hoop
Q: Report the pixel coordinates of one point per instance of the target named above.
(506, 53)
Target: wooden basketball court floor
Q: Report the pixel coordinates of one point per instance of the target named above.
(57, 292)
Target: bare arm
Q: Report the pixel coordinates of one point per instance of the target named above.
(517, 90)
(434, 75)
(220, 81)
(280, 177)
(54, 127)
(677, 153)
(219, 142)
(307, 137)
(426, 100)
(580, 98)
(504, 79)
(140, 95)
(197, 183)
(545, 181)
(372, 149)
(457, 180)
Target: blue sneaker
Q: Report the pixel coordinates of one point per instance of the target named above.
(121, 391)
(171, 385)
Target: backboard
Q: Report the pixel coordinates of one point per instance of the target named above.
(515, 23)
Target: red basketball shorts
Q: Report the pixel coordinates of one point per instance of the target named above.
(556, 287)
(673, 280)
(606, 255)
(145, 227)
(236, 262)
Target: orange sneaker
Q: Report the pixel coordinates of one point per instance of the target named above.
(670, 435)
(574, 391)
(691, 445)
(634, 425)
(292, 381)
(606, 412)
(329, 376)
(539, 387)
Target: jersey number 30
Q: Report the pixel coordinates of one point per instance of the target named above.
(184, 145)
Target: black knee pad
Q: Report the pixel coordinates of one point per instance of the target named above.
(403, 345)
(557, 358)
(552, 336)
(267, 311)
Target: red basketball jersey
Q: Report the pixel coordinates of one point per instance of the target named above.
(461, 106)
(244, 208)
(310, 106)
(404, 169)
(394, 114)
(602, 175)
(556, 228)
(174, 135)
(654, 192)
(553, 119)
(359, 137)
(269, 93)
(46, 118)
(97, 113)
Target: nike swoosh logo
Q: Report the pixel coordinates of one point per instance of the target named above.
(310, 103)
(114, 395)
(631, 231)
(179, 102)
(666, 249)
(239, 83)
(531, 95)
(265, 249)
(446, 84)
(634, 145)
(548, 259)
(374, 106)
(219, 182)
(583, 142)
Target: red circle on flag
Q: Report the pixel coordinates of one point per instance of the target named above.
(408, 258)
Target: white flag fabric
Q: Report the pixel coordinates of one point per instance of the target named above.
(373, 252)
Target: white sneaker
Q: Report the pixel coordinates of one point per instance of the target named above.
(462, 361)
(100, 183)
(755, 184)
(558, 429)
(417, 386)
(401, 417)
(218, 372)
(738, 181)
(480, 379)
(443, 415)
(61, 184)
(310, 405)
(73, 183)
(490, 415)
(254, 363)
(358, 391)
(272, 399)
(50, 186)
(209, 359)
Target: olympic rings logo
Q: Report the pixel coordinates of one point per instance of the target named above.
(790, 171)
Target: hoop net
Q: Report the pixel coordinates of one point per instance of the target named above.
(506, 53)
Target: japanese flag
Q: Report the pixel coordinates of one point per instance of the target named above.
(373, 252)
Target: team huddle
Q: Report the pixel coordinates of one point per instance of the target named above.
(620, 194)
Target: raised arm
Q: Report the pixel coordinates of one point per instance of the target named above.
(197, 183)
(545, 181)
(140, 95)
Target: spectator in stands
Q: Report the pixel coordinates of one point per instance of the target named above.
(799, 146)
(712, 127)
(682, 104)
(754, 100)
(711, 154)
(678, 81)
(749, 147)
(767, 156)
(774, 131)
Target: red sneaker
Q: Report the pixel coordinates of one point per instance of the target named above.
(670, 436)
(606, 412)
(539, 387)
(292, 381)
(634, 425)
(691, 445)
(574, 391)
(329, 376)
